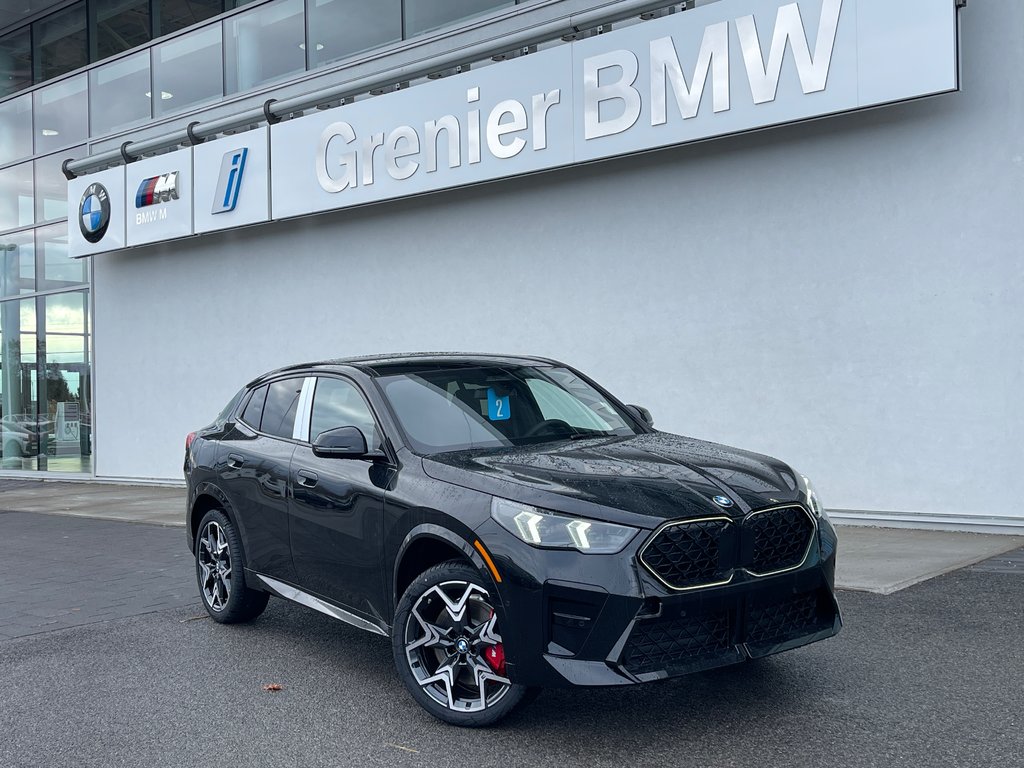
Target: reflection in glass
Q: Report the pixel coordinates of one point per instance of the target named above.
(17, 264)
(119, 94)
(120, 25)
(64, 408)
(56, 268)
(62, 114)
(15, 129)
(19, 432)
(424, 15)
(51, 187)
(339, 28)
(60, 43)
(15, 62)
(178, 14)
(16, 196)
(263, 44)
(187, 71)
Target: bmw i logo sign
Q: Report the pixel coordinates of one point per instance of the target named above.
(722, 501)
(94, 213)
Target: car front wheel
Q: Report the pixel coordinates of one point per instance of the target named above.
(448, 648)
(220, 567)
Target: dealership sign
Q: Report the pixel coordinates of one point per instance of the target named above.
(717, 70)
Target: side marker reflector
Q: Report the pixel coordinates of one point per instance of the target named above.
(487, 559)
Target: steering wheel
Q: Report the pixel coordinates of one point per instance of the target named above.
(547, 424)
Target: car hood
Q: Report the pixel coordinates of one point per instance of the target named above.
(642, 480)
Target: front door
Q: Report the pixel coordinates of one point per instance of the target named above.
(336, 507)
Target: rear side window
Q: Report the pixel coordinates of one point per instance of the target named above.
(280, 407)
(254, 408)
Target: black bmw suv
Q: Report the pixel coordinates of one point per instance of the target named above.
(507, 523)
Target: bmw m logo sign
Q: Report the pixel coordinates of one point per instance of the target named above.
(157, 189)
(94, 213)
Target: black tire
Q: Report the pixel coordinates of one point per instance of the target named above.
(220, 571)
(460, 644)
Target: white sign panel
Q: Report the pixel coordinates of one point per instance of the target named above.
(231, 187)
(500, 121)
(717, 70)
(96, 213)
(720, 69)
(158, 203)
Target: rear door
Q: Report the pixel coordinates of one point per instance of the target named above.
(337, 506)
(253, 466)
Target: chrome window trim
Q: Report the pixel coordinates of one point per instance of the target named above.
(810, 540)
(671, 523)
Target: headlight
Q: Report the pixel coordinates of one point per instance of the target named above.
(541, 528)
(812, 497)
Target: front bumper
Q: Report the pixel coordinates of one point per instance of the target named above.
(573, 619)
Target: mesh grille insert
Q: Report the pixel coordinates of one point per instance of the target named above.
(688, 554)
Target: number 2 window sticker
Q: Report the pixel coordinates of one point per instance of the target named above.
(497, 407)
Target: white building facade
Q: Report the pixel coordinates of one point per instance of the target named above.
(841, 291)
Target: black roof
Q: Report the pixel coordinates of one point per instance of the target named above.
(407, 361)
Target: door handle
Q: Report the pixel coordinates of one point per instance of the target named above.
(235, 461)
(306, 478)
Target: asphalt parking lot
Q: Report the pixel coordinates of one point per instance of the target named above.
(136, 676)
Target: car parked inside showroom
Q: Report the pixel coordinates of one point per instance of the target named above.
(507, 523)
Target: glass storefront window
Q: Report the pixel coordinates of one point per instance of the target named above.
(56, 268)
(15, 129)
(15, 62)
(178, 14)
(20, 440)
(61, 114)
(64, 413)
(264, 44)
(60, 43)
(340, 28)
(425, 15)
(120, 25)
(119, 94)
(17, 264)
(187, 71)
(16, 196)
(51, 188)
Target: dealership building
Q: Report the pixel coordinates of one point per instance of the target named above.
(794, 226)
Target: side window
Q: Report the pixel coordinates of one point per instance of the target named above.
(279, 411)
(337, 403)
(254, 408)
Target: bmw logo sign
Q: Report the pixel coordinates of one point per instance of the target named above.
(722, 501)
(94, 213)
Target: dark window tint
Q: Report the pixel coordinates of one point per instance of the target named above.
(120, 25)
(15, 62)
(337, 403)
(254, 408)
(60, 43)
(279, 411)
(178, 14)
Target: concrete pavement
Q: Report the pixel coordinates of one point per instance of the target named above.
(880, 560)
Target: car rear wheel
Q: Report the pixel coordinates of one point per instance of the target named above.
(220, 571)
(448, 648)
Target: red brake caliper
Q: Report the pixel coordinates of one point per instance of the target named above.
(495, 655)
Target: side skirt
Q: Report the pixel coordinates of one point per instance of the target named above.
(288, 592)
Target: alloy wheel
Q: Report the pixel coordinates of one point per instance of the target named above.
(215, 566)
(454, 649)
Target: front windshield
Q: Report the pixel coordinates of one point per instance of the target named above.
(451, 409)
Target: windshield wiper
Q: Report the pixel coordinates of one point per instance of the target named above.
(589, 433)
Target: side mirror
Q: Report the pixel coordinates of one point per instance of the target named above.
(342, 443)
(643, 414)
